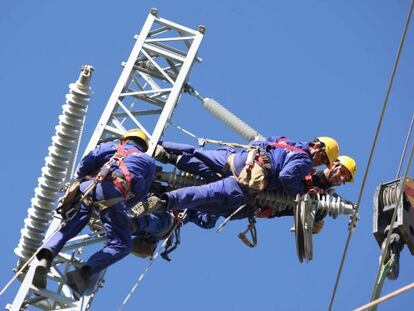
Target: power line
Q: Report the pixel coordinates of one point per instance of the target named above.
(407, 138)
(384, 106)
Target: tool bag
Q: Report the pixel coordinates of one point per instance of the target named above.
(71, 195)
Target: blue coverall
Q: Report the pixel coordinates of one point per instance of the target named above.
(115, 220)
(288, 169)
(156, 226)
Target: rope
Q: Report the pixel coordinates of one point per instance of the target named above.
(385, 269)
(151, 262)
(224, 223)
(386, 297)
(385, 104)
(201, 141)
(183, 130)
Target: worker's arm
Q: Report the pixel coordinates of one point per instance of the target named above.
(94, 160)
(142, 170)
(296, 167)
(177, 148)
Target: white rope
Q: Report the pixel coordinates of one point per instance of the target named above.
(201, 141)
(386, 297)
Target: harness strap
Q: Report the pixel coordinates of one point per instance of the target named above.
(230, 164)
(286, 146)
(174, 239)
(123, 183)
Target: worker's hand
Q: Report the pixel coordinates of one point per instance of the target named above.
(161, 155)
(99, 178)
(317, 226)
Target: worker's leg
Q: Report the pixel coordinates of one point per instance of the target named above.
(189, 163)
(221, 195)
(215, 159)
(56, 243)
(117, 229)
(209, 164)
(152, 223)
(70, 230)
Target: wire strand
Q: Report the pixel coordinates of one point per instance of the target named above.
(374, 143)
(407, 138)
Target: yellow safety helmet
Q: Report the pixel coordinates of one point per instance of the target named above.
(350, 164)
(331, 148)
(137, 133)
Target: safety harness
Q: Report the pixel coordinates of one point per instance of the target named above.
(66, 206)
(174, 239)
(263, 158)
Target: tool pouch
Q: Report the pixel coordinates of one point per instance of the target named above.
(253, 176)
(72, 195)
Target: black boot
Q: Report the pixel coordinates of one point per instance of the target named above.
(44, 258)
(78, 279)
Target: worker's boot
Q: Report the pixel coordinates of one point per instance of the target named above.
(164, 156)
(151, 205)
(78, 279)
(44, 258)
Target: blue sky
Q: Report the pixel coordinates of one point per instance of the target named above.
(296, 68)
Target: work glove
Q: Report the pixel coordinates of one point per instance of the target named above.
(317, 226)
(164, 156)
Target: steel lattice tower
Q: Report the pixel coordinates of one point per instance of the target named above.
(145, 96)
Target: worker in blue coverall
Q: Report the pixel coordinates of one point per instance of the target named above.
(340, 171)
(129, 175)
(275, 164)
(151, 228)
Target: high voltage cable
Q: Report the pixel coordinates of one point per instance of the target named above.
(407, 138)
(385, 104)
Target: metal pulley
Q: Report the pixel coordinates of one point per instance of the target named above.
(303, 227)
(304, 214)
